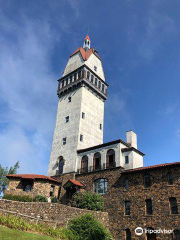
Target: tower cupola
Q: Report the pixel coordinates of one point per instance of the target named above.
(87, 42)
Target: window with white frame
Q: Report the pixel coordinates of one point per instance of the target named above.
(100, 186)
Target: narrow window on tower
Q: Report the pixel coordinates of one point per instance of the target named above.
(79, 74)
(70, 81)
(128, 234)
(100, 126)
(126, 159)
(127, 207)
(99, 85)
(147, 181)
(126, 183)
(92, 78)
(173, 205)
(95, 68)
(67, 119)
(103, 87)
(64, 141)
(81, 137)
(149, 210)
(69, 99)
(83, 115)
(88, 75)
(96, 82)
(170, 179)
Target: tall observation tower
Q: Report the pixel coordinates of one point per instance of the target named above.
(82, 92)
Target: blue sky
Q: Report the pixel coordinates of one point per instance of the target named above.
(138, 42)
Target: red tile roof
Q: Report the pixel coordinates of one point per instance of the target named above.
(76, 182)
(31, 176)
(152, 167)
(87, 37)
(86, 54)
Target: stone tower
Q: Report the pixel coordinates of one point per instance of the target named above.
(82, 92)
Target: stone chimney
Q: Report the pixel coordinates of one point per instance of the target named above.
(131, 138)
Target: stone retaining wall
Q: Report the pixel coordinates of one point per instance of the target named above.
(50, 211)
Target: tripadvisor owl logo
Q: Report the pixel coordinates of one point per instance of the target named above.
(139, 231)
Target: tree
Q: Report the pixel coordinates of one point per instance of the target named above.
(4, 181)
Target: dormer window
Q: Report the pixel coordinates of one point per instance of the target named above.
(95, 68)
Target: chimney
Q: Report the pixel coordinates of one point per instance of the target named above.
(131, 138)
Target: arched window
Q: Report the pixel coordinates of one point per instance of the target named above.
(100, 186)
(99, 85)
(97, 161)
(150, 234)
(84, 164)
(61, 164)
(88, 75)
(110, 158)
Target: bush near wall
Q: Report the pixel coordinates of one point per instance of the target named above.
(40, 198)
(86, 227)
(37, 198)
(18, 198)
(90, 201)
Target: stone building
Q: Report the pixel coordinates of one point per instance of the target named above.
(32, 185)
(134, 196)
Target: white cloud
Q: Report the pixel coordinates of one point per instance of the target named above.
(28, 86)
(159, 28)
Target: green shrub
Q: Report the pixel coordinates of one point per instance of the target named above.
(18, 198)
(86, 227)
(54, 199)
(88, 201)
(40, 198)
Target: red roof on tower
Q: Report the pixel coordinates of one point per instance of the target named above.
(87, 37)
(86, 54)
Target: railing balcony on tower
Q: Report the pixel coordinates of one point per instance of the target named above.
(96, 168)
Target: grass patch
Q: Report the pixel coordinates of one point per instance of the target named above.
(11, 234)
(18, 223)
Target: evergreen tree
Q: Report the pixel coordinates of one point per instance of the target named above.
(4, 181)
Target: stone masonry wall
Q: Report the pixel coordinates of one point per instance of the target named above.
(159, 193)
(49, 211)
